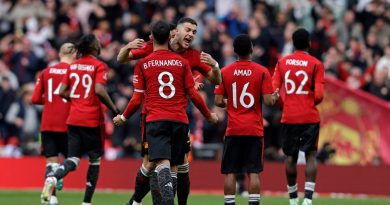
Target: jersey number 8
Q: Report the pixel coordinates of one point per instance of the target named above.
(168, 84)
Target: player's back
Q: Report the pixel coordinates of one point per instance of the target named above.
(82, 76)
(165, 95)
(55, 109)
(298, 74)
(243, 84)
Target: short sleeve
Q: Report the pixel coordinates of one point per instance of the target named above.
(142, 52)
(65, 79)
(101, 74)
(202, 68)
(138, 78)
(276, 78)
(266, 83)
(219, 89)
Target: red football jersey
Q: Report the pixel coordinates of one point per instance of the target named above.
(144, 51)
(302, 76)
(244, 83)
(83, 74)
(168, 77)
(46, 92)
(191, 55)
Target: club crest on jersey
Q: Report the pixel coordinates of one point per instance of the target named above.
(135, 78)
(242, 72)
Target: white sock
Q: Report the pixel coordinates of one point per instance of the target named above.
(254, 197)
(310, 186)
(230, 199)
(136, 203)
(292, 189)
(53, 200)
(145, 171)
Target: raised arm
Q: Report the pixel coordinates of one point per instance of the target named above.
(214, 75)
(195, 96)
(125, 54)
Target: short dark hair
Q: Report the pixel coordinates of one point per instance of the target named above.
(172, 26)
(187, 20)
(88, 44)
(242, 45)
(301, 39)
(160, 32)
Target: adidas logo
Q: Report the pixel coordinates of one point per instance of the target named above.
(89, 184)
(169, 184)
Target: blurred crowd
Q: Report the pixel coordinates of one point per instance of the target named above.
(351, 38)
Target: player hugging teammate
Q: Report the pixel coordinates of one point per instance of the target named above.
(163, 81)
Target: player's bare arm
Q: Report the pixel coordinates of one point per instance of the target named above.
(125, 54)
(269, 99)
(214, 75)
(64, 91)
(220, 101)
(213, 119)
(198, 85)
(101, 92)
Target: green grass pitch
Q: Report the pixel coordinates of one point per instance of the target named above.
(119, 198)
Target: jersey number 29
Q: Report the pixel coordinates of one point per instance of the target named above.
(86, 82)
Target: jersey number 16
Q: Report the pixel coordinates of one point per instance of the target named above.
(243, 94)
